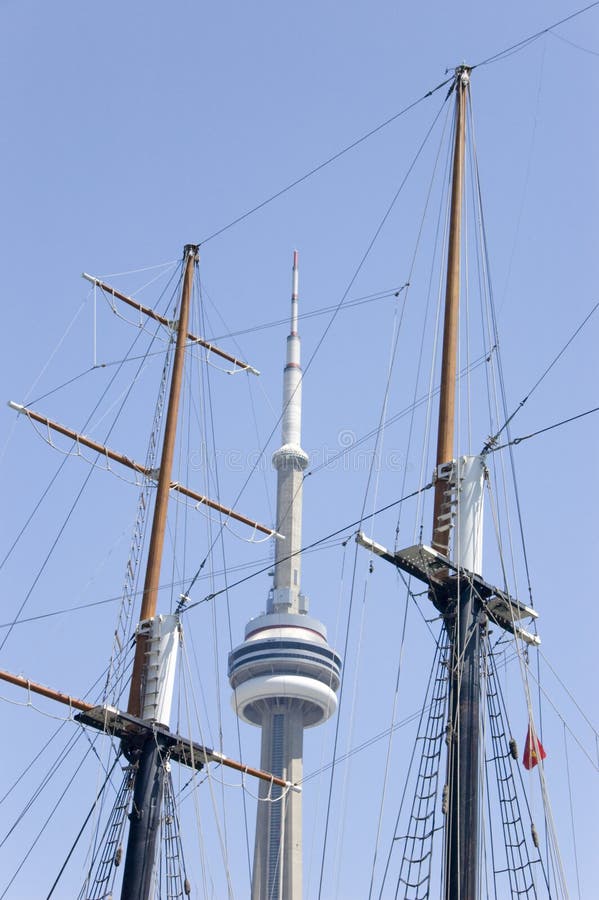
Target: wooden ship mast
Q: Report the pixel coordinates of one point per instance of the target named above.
(143, 729)
(464, 600)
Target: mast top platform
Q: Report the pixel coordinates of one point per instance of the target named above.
(445, 579)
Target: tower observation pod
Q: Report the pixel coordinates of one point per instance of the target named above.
(284, 675)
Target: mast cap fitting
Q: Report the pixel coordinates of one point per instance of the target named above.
(191, 250)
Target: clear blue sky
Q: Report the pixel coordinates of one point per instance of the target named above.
(131, 129)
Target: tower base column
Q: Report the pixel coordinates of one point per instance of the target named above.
(278, 849)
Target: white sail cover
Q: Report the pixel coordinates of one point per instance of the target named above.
(163, 633)
(469, 474)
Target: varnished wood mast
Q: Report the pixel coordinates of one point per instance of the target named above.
(450, 333)
(156, 548)
(462, 848)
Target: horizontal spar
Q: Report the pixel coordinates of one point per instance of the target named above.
(112, 721)
(143, 470)
(164, 321)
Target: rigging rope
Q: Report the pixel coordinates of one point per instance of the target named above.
(520, 45)
(326, 162)
(426, 714)
(226, 570)
(44, 825)
(374, 512)
(53, 354)
(196, 719)
(424, 399)
(378, 446)
(492, 440)
(570, 697)
(515, 441)
(338, 307)
(519, 866)
(571, 804)
(81, 830)
(441, 238)
(387, 770)
(551, 831)
(73, 505)
(209, 429)
(322, 545)
(576, 46)
(321, 311)
(337, 722)
(550, 699)
(327, 537)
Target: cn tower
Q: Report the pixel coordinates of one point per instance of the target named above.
(284, 675)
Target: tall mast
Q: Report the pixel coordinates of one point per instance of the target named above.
(464, 599)
(140, 860)
(155, 551)
(146, 739)
(445, 431)
(461, 617)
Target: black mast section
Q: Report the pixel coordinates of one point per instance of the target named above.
(463, 739)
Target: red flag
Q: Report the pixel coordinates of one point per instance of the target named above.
(533, 750)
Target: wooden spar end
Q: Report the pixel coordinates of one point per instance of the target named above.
(35, 688)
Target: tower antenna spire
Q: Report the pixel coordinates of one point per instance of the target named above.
(294, 292)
